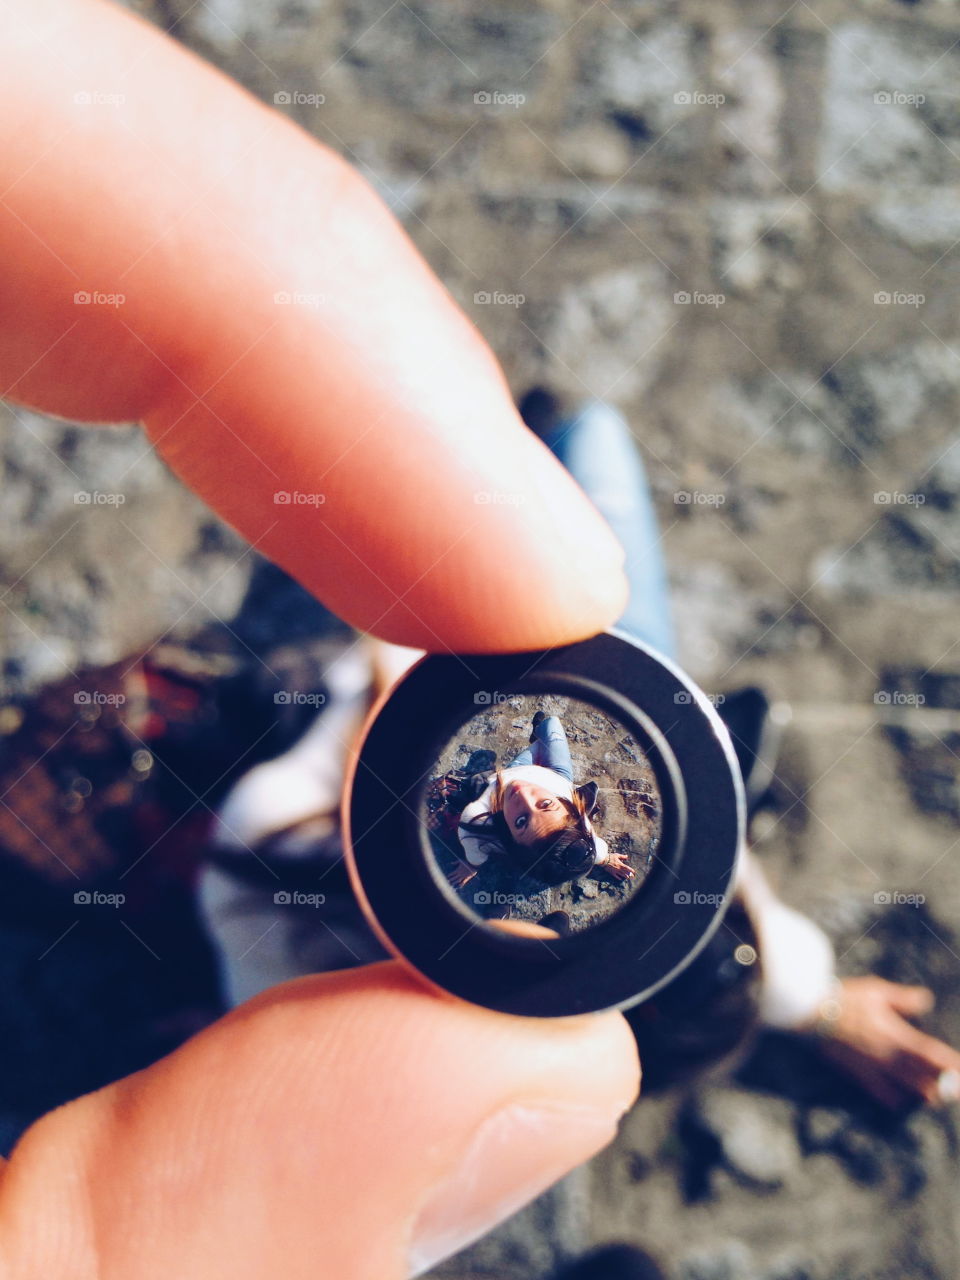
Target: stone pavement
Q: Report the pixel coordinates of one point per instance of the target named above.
(740, 223)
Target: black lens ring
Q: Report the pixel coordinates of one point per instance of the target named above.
(619, 961)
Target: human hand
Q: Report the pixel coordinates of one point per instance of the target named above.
(285, 1137)
(460, 875)
(321, 1128)
(618, 865)
(200, 206)
(872, 1039)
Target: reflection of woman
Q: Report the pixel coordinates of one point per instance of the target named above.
(531, 812)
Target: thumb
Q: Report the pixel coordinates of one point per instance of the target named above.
(356, 1122)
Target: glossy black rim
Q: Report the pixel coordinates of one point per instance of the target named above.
(620, 960)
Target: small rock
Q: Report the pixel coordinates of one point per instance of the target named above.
(863, 1156)
(730, 1261)
(637, 799)
(589, 888)
(821, 1127)
(756, 1134)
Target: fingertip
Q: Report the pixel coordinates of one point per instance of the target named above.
(557, 1120)
(915, 1000)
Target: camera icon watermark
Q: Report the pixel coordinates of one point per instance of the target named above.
(296, 98)
(488, 697)
(898, 298)
(298, 698)
(698, 498)
(94, 498)
(98, 298)
(98, 98)
(896, 98)
(898, 698)
(896, 498)
(498, 98)
(696, 298)
(296, 498)
(97, 898)
(299, 298)
(683, 698)
(497, 298)
(897, 898)
(94, 698)
(696, 98)
(298, 898)
(498, 498)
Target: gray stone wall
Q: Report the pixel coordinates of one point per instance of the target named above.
(740, 222)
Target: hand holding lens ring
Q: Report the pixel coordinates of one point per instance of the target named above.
(594, 849)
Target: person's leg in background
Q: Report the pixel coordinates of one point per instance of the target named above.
(549, 748)
(596, 446)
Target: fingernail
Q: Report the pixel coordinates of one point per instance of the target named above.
(514, 1156)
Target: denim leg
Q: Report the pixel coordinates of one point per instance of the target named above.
(597, 448)
(549, 748)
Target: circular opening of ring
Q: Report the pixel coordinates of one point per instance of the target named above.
(544, 814)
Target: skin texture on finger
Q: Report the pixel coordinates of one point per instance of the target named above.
(277, 334)
(307, 1133)
(910, 1001)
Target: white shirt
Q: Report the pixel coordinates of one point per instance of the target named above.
(797, 958)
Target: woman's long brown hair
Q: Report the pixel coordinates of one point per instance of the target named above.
(576, 810)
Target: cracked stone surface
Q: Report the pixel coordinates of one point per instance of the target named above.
(803, 163)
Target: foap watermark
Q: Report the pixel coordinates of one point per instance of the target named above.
(683, 698)
(498, 498)
(895, 498)
(497, 899)
(488, 697)
(699, 498)
(296, 498)
(96, 498)
(696, 98)
(297, 98)
(685, 898)
(98, 298)
(897, 98)
(498, 98)
(298, 898)
(297, 298)
(96, 698)
(696, 298)
(98, 98)
(97, 898)
(298, 698)
(898, 698)
(897, 898)
(897, 298)
(496, 298)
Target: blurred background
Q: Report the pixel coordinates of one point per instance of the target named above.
(740, 224)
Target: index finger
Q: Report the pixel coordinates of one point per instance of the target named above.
(290, 354)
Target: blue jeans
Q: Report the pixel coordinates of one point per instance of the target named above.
(549, 748)
(598, 450)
